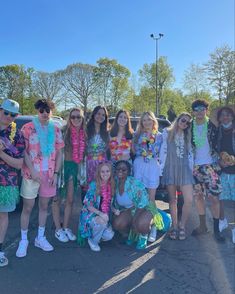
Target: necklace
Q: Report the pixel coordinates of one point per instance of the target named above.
(179, 142)
(46, 139)
(13, 132)
(200, 139)
(106, 197)
(147, 145)
(78, 144)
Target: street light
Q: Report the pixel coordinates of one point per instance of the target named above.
(160, 35)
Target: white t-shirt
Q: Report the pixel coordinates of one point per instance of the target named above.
(202, 155)
(124, 200)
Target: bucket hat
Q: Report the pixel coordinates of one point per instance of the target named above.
(10, 105)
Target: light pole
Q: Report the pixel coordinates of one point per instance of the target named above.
(157, 98)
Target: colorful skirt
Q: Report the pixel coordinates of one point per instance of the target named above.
(92, 163)
(9, 197)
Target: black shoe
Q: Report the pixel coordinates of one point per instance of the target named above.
(199, 231)
(219, 238)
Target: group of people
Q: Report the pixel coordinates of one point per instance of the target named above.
(122, 170)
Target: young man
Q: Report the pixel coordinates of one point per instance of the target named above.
(204, 140)
(42, 163)
(12, 147)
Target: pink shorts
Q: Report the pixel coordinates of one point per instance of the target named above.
(30, 188)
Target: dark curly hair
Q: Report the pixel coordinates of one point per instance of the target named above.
(43, 103)
(200, 102)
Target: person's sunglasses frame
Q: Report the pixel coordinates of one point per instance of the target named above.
(42, 110)
(7, 113)
(185, 121)
(78, 117)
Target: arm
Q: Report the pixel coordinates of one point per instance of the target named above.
(163, 150)
(13, 162)
(58, 162)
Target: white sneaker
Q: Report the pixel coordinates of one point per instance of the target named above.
(43, 244)
(153, 234)
(3, 259)
(61, 236)
(22, 248)
(223, 224)
(233, 235)
(93, 246)
(70, 234)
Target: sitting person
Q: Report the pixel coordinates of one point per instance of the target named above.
(132, 208)
(94, 218)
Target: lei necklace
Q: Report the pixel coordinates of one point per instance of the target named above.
(46, 139)
(200, 139)
(78, 144)
(117, 150)
(106, 197)
(179, 142)
(13, 132)
(147, 145)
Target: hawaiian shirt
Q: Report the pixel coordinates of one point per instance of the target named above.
(8, 174)
(96, 146)
(118, 150)
(33, 149)
(136, 192)
(152, 149)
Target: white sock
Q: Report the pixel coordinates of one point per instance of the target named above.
(41, 231)
(24, 234)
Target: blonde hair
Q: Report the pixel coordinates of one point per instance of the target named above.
(98, 179)
(140, 127)
(173, 129)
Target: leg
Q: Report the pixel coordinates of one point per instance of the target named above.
(68, 204)
(171, 189)
(122, 222)
(43, 207)
(187, 191)
(28, 205)
(3, 226)
(141, 221)
(56, 212)
(152, 193)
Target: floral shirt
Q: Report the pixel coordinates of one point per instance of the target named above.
(33, 149)
(147, 148)
(117, 149)
(86, 216)
(96, 147)
(136, 192)
(8, 174)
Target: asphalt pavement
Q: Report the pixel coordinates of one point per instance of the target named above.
(196, 265)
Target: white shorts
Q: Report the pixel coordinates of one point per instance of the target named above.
(147, 172)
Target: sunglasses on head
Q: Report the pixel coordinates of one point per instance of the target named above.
(183, 120)
(76, 117)
(199, 108)
(41, 110)
(6, 113)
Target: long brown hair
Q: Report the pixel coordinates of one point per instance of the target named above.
(140, 127)
(98, 179)
(128, 128)
(67, 130)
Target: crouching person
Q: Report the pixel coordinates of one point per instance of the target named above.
(95, 215)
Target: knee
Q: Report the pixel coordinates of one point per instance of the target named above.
(69, 201)
(119, 224)
(27, 209)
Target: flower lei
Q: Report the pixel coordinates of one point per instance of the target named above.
(106, 197)
(78, 144)
(146, 144)
(13, 132)
(46, 139)
(116, 149)
(200, 139)
(179, 142)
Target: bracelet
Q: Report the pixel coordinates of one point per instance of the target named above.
(56, 173)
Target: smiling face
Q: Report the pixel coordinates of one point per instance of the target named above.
(225, 117)
(147, 123)
(200, 112)
(184, 122)
(76, 119)
(122, 171)
(105, 173)
(122, 119)
(44, 114)
(99, 117)
(6, 117)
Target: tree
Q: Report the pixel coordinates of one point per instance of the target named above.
(15, 83)
(221, 73)
(79, 83)
(195, 81)
(46, 85)
(112, 80)
(165, 78)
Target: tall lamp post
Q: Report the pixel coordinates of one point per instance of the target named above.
(156, 39)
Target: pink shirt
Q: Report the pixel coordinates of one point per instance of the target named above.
(33, 149)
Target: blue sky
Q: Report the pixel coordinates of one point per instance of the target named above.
(50, 34)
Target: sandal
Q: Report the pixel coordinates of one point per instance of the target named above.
(173, 234)
(182, 235)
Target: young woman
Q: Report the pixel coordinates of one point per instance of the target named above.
(133, 211)
(147, 144)
(98, 137)
(177, 164)
(226, 148)
(121, 135)
(95, 214)
(75, 143)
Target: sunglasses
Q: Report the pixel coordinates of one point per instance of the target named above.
(76, 117)
(6, 113)
(183, 120)
(199, 108)
(41, 110)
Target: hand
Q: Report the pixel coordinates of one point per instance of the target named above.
(104, 216)
(223, 164)
(116, 212)
(36, 176)
(54, 180)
